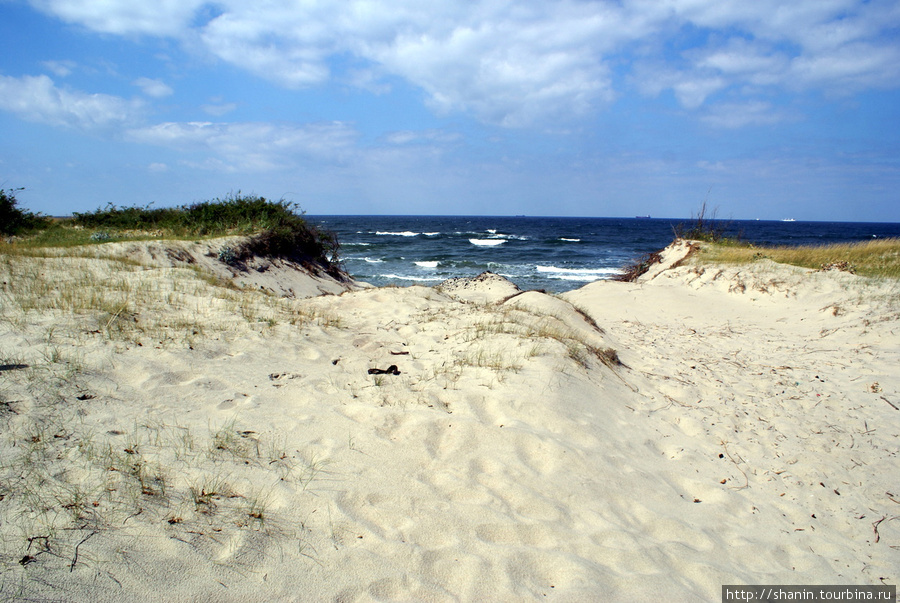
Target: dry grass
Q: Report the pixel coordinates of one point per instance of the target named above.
(876, 258)
(125, 301)
(65, 478)
(534, 327)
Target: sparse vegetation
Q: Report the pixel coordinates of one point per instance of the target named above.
(876, 258)
(15, 220)
(705, 226)
(631, 272)
(64, 480)
(275, 228)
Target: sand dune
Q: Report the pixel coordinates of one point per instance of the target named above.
(168, 438)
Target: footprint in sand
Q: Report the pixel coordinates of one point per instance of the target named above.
(238, 400)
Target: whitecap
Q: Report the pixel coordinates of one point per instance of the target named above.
(487, 242)
(427, 264)
(570, 240)
(585, 278)
(373, 260)
(411, 278)
(577, 274)
(405, 233)
(577, 270)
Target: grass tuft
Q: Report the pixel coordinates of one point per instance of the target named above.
(876, 258)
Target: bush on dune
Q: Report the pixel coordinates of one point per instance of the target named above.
(276, 227)
(13, 220)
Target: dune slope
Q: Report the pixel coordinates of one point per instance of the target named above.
(165, 434)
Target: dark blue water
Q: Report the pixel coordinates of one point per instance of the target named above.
(556, 254)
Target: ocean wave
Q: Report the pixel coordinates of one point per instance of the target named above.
(355, 244)
(586, 278)
(577, 274)
(584, 271)
(373, 260)
(411, 278)
(405, 233)
(570, 240)
(487, 242)
(427, 264)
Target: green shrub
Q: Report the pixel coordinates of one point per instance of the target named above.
(15, 221)
(277, 228)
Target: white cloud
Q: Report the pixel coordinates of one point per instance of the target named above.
(739, 115)
(531, 61)
(160, 17)
(60, 68)
(849, 68)
(508, 73)
(839, 46)
(219, 109)
(36, 98)
(283, 46)
(254, 146)
(405, 137)
(154, 88)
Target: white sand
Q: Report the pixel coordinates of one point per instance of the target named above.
(232, 446)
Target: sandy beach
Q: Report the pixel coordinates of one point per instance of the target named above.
(175, 431)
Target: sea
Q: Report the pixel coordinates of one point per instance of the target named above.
(553, 254)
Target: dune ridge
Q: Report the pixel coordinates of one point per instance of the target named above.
(164, 433)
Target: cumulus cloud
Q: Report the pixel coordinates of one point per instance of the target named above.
(531, 61)
(38, 99)
(504, 73)
(840, 47)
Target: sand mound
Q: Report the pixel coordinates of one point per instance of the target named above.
(277, 276)
(162, 433)
(485, 288)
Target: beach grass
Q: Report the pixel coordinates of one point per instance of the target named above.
(875, 258)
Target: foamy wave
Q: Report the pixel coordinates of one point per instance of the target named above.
(427, 264)
(577, 274)
(570, 240)
(411, 278)
(487, 242)
(355, 244)
(405, 233)
(585, 278)
(373, 260)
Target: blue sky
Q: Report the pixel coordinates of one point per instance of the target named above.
(766, 109)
